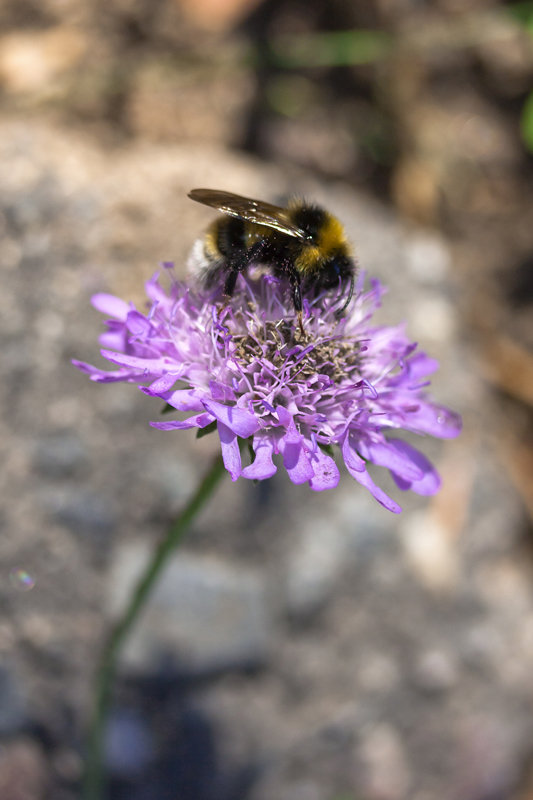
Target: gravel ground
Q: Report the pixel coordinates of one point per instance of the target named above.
(302, 647)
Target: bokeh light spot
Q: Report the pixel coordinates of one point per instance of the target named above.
(20, 579)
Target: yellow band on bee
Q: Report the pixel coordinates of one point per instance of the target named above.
(308, 260)
(331, 235)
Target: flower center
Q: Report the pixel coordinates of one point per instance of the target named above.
(283, 345)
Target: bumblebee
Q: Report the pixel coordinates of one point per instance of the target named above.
(302, 242)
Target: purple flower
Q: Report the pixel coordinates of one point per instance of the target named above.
(248, 369)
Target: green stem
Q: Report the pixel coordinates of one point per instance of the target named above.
(93, 787)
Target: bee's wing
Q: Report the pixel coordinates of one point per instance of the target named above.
(255, 211)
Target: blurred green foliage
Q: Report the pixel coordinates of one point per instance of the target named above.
(527, 122)
(523, 12)
(330, 49)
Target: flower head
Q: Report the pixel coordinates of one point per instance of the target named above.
(247, 369)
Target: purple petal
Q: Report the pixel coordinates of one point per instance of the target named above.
(429, 483)
(421, 365)
(197, 421)
(137, 323)
(231, 454)
(109, 304)
(285, 417)
(181, 399)
(240, 421)
(384, 454)
(105, 376)
(155, 292)
(263, 467)
(352, 459)
(83, 366)
(221, 392)
(382, 497)
(114, 338)
(326, 472)
(145, 364)
(295, 455)
(436, 420)
(356, 467)
(163, 384)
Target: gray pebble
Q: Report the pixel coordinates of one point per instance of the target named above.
(204, 615)
(12, 713)
(129, 744)
(59, 455)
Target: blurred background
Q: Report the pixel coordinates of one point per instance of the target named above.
(300, 646)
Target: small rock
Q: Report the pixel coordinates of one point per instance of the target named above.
(31, 213)
(23, 771)
(32, 61)
(85, 512)
(432, 318)
(313, 566)
(369, 533)
(490, 756)
(431, 552)
(385, 766)
(204, 615)
(129, 744)
(435, 671)
(59, 455)
(12, 714)
(378, 672)
(68, 764)
(428, 258)
(175, 478)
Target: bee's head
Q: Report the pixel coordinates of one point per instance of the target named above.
(336, 270)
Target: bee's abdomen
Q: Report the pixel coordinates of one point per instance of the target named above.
(229, 235)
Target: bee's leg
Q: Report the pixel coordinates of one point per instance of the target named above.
(296, 295)
(340, 311)
(234, 267)
(238, 263)
(257, 253)
(231, 279)
(294, 279)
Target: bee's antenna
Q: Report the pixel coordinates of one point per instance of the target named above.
(340, 311)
